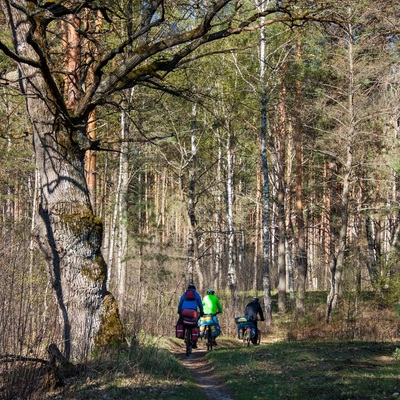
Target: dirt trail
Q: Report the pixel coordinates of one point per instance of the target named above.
(203, 373)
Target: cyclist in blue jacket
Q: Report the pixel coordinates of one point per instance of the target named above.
(190, 299)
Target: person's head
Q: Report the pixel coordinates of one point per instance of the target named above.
(256, 299)
(191, 286)
(210, 291)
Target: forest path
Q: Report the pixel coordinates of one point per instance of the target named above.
(203, 373)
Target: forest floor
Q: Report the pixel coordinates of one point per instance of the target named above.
(276, 370)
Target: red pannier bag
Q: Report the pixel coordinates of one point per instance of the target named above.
(195, 334)
(189, 317)
(179, 331)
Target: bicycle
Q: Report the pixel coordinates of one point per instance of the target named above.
(189, 322)
(188, 339)
(208, 337)
(210, 325)
(246, 333)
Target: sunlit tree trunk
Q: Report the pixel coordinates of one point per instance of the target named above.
(266, 280)
(281, 154)
(122, 205)
(193, 244)
(301, 255)
(218, 218)
(232, 279)
(290, 234)
(91, 155)
(162, 192)
(325, 237)
(257, 224)
(338, 255)
(68, 232)
(112, 238)
(90, 162)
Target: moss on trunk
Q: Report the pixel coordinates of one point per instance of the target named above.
(111, 332)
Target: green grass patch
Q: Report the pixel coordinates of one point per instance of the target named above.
(145, 371)
(308, 370)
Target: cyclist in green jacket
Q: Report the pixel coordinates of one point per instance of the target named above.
(212, 305)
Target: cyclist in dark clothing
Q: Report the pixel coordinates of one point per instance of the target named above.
(251, 311)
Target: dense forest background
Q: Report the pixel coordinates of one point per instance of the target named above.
(179, 181)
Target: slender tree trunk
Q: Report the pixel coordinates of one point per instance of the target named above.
(146, 202)
(257, 224)
(91, 155)
(73, 55)
(289, 262)
(33, 223)
(218, 218)
(281, 204)
(232, 279)
(122, 189)
(338, 257)
(162, 196)
(193, 245)
(266, 280)
(372, 260)
(91, 161)
(301, 255)
(337, 262)
(112, 239)
(325, 237)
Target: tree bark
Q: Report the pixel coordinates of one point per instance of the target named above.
(193, 242)
(67, 231)
(301, 255)
(70, 236)
(338, 254)
(122, 189)
(218, 218)
(281, 155)
(232, 279)
(266, 243)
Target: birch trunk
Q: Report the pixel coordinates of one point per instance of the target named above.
(232, 280)
(122, 189)
(193, 246)
(218, 219)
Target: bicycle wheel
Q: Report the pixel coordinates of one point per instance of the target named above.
(188, 340)
(246, 338)
(258, 336)
(209, 338)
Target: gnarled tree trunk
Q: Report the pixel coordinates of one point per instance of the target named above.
(68, 232)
